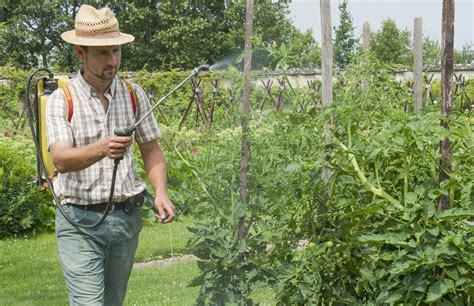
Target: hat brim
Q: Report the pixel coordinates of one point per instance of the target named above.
(72, 38)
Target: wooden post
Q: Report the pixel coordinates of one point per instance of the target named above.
(418, 64)
(447, 49)
(244, 162)
(366, 37)
(365, 47)
(326, 41)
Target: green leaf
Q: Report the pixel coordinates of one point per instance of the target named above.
(456, 213)
(293, 168)
(438, 289)
(391, 238)
(410, 197)
(403, 267)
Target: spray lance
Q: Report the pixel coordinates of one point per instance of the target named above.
(126, 131)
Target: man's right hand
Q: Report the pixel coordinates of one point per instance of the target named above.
(115, 147)
(66, 158)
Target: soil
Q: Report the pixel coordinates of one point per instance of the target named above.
(163, 262)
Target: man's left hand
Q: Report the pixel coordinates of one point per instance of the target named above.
(164, 209)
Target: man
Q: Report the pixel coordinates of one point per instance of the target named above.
(97, 262)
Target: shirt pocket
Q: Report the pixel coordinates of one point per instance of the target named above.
(87, 130)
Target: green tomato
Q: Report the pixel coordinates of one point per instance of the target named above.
(329, 244)
(311, 245)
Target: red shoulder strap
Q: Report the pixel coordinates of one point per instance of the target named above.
(68, 96)
(132, 96)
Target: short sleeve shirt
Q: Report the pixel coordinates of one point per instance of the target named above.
(90, 122)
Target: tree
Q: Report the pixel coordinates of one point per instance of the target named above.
(345, 41)
(299, 51)
(168, 33)
(32, 34)
(431, 52)
(390, 44)
(182, 34)
(305, 50)
(466, 55)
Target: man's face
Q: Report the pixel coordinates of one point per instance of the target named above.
(101, 62)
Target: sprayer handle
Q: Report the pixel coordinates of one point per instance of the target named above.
(126, 131)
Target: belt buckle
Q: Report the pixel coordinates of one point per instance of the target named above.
(129, 205)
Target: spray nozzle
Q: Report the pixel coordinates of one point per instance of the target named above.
(204, 67)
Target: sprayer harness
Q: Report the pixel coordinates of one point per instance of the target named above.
(67, 94)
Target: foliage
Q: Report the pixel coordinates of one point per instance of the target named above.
(300, 51)
(390, 45)
(376, 237)
(169, 34)
(23, 207)
(12, 93)
(32, 32)
(344, 41)
(431, 52)
(371, 236)
(465, 55)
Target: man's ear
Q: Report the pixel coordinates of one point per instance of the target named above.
(80, 52)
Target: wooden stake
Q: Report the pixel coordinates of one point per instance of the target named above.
(418, 64)
(447, 50)
(244, 162)
(366, 37)
(326, 39)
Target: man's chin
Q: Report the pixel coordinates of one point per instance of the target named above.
(108, 75)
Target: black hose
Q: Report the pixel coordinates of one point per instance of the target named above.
(43, 166)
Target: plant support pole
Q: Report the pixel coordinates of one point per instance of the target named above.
(418, 64)
(447, 49)
(326, 39)
(244, 162)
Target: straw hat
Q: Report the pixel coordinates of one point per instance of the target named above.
(96, 28)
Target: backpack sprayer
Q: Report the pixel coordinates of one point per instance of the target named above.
(43, 87)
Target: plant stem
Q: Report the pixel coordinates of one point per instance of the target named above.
(377, 191)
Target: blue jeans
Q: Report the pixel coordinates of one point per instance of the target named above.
(97, 262)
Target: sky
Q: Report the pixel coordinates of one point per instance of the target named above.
(305, 15)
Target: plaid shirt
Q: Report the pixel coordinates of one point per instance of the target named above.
(90, 123)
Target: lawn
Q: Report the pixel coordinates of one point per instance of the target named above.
(31, 274)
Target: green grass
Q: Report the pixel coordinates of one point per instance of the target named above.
(31, 272)
(164, 240)
(166, 285)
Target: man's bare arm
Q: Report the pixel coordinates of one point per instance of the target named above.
(66, 158)
(155, 166)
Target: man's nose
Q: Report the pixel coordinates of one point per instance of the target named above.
(113, 59)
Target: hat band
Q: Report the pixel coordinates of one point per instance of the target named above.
(98, 35)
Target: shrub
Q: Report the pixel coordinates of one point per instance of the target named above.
(23, 207)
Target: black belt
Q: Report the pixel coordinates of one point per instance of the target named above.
(127, 205)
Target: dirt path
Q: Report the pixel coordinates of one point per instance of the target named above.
(163, 262)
